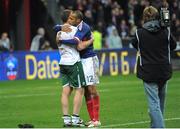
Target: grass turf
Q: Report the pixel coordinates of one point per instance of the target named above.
(123, 103)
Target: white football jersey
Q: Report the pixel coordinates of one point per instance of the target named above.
(69, 54)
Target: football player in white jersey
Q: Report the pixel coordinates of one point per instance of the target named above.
(90, 66)
(72, 74)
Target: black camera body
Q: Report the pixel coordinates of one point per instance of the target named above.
(164, 17)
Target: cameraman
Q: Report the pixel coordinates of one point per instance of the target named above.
(154, 43)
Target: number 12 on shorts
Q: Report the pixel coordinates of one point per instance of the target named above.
(90, 78)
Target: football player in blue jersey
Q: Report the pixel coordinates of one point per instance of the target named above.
(90, 64)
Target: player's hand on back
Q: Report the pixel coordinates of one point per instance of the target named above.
(84, 44)
(66, 28)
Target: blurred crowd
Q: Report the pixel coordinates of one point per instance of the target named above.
(113, 22)
(5, 43)
(39, 41)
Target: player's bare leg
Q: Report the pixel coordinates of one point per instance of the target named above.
(65, 99)
(78, 97)
(66, 92)
(79, 93)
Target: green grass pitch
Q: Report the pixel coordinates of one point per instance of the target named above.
(123, 103)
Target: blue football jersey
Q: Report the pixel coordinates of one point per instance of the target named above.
(83, 34)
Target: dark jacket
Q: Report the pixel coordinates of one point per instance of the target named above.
(154, 45)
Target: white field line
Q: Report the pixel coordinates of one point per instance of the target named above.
(24, 95)
(130, 82)
(120, 83)
(47, 87)
(104, 90)
(136, 123)
(31, 95)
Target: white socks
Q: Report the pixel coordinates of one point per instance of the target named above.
(67, 119)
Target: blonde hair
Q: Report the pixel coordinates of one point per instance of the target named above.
(150, 13)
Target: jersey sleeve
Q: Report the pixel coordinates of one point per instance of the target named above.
(80, 34)
(57, 28)
(70, 41)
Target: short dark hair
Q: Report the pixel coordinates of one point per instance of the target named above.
(65, 15)
(78, 14)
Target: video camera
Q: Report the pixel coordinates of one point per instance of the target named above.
(164, 17)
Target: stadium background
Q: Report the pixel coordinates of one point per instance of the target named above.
(37, 101)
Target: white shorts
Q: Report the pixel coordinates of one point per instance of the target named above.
(91, 70)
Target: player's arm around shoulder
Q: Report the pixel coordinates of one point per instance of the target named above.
(84, 44)
(64, 28)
